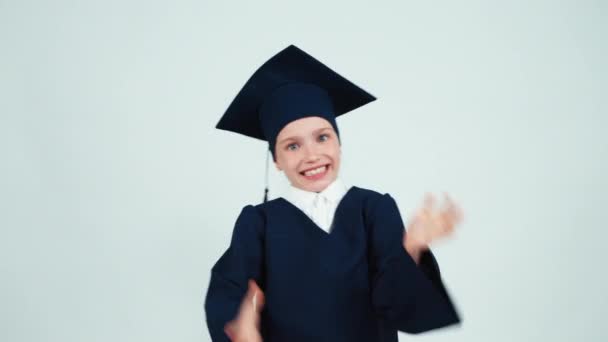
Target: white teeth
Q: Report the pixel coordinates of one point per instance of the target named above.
(315, 171)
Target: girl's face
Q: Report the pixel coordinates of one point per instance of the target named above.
(308, 152)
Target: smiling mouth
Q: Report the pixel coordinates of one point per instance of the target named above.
(316, 172)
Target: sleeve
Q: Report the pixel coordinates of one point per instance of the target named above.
(409, 297)
(243, 260)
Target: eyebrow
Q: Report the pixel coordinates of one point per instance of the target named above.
(295, 136)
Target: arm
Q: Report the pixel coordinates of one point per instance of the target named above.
(408, 296)
(241, 262)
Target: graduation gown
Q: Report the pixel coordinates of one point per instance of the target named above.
(356, 283)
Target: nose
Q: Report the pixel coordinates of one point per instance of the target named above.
(311, 153)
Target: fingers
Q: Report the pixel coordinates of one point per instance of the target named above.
(252, 304)
(229, 330)
(256, 296)
(429, 201)
(454, 211)
(245, 327)
(438, 222)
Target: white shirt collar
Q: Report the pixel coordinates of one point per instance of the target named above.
(319, 207)
(305, 199)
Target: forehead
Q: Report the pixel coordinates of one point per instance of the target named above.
(302, 127)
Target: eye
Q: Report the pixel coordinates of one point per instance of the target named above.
(323, 137)
(292, 146)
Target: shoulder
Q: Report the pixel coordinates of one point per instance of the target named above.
(249, 223)
(268, 207)
(261, 211)
(371, 198)
(251, 214)
(260, 208)
(375, 204)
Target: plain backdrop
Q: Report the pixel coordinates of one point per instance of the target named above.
(118, 195)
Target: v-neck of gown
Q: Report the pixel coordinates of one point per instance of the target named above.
(336, 214)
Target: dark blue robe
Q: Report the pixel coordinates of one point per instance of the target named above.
(356, 283)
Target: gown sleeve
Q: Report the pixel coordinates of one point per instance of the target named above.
(229, 276)
(409, 297)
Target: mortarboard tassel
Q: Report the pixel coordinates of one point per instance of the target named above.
(266, 177)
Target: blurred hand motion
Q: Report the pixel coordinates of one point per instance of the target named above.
(246, 326)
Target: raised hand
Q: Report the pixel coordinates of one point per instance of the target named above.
(430, 224)
(246, 326)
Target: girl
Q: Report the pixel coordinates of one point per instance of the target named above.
(326, 262)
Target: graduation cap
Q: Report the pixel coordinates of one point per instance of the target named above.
(289, 86)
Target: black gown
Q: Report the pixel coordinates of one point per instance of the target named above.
(356, 283)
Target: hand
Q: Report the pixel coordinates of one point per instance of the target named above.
(246, 326)
(430, 224)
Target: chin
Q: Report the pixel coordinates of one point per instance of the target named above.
(318, 186)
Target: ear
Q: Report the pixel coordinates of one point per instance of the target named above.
(277, 166)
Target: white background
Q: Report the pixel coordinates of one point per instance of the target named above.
(117, 194)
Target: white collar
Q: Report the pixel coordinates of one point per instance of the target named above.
(304, 199)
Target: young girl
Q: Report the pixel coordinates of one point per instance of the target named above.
(326, 262)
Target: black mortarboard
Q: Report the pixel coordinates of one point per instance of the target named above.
(289, 86)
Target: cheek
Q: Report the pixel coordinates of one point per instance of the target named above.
(336, 152)
(336, 162)
(291, 163)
